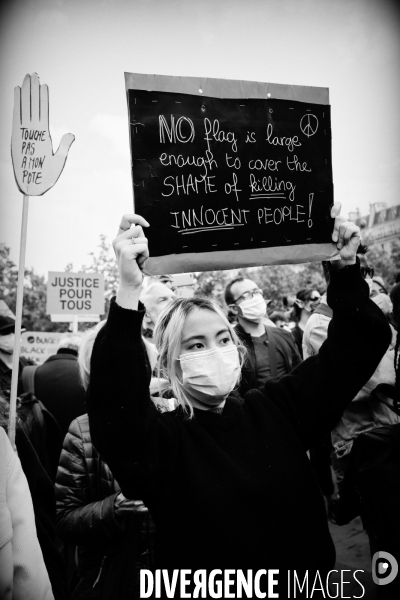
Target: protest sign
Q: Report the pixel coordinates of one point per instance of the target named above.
(75, 293)
(36, 167)
(39, 345)
(36, 170)
(230, 173)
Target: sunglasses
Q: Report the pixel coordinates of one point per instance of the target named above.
(367, 271)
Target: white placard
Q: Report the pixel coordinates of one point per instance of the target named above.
(39, 345)
(75, 293)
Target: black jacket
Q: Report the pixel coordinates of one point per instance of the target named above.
(108, 547)
(5, 377)
(278, 341)
(234, 490)
(44, 506)
(58, 386)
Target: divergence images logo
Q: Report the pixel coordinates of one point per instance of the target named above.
(384, 568)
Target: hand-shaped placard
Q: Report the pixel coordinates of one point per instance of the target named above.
(36, 168)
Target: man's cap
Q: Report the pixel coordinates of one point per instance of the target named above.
(7, 325)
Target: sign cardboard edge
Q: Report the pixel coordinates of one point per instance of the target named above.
(226, 88)
(233, 259)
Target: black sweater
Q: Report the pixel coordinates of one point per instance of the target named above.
(234, 490)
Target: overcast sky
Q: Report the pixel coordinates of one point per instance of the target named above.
(81, 48)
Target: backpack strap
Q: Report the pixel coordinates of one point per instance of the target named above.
(28, 378)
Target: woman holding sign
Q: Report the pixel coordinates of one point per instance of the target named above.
(227, 480)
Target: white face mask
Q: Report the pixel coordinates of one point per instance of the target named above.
(7, 343)
(384, 303)
(254, 309)
(210, 375)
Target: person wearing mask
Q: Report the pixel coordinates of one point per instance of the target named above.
(7, 341)
(227, 479)
(271, 351)
(304, 305)
(380, 295)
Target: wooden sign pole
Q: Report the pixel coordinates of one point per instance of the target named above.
(18, 320)
(36, 169)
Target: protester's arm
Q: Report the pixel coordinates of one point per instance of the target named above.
(126, 427)
(79, 520)
(315, 394)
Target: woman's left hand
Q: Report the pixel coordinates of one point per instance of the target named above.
(346, 235)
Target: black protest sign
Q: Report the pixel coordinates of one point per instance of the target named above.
(228, 182)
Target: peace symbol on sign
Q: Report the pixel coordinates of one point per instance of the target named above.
(309, 124)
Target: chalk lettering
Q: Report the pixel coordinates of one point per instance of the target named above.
(232, 187)
(213, 132)
(251, 137)
(289, 142)
(236, 162)
(192, 161)
(280, 214)
(185, 185)
(175, 133)
(295, 165)
(270, 184)
(200, 218)
(267, 164)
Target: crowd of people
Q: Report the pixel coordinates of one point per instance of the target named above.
(198, 433)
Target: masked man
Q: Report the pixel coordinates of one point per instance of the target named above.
(7, 342)
(271, 350)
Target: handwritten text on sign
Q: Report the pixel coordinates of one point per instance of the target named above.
(36, 167)
(38, 346)
(75, 293)
(219, 174)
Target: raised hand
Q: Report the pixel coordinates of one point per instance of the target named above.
(36, 168)
(346, 235)
(131, 250)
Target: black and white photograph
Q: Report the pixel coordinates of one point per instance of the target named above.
(199, 299)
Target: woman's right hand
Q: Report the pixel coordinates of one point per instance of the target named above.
(131, 250)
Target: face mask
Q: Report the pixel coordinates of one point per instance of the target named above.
(7, 343)
(254, 309)
(384, 303)
(210, 375)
